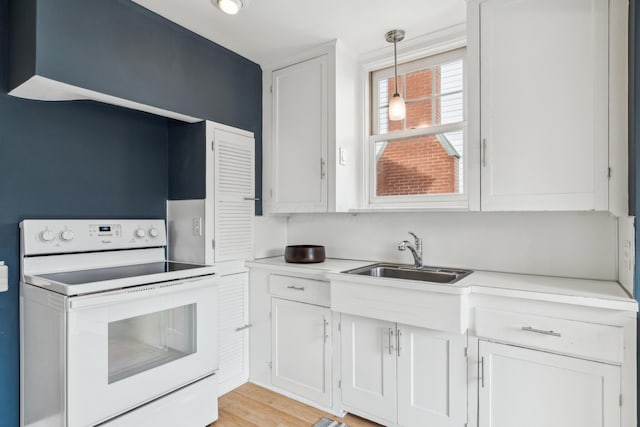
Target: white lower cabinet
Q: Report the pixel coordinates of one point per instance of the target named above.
(524, 387)
(400, 374)
(368, 366)
(233, 325)
(432, 379)
(301, 349)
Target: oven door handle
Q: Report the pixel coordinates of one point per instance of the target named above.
(144, 291)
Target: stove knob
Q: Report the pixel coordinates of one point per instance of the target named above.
(67, 235)
(140, 233)
(153, 232)
(47, 235)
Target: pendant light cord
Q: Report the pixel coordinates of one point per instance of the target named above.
(395, 64)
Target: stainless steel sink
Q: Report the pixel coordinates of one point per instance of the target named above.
(408, 272)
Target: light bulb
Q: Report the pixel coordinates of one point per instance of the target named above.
(230, 7)
(397, 109)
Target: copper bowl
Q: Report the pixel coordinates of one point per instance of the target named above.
(304, 254)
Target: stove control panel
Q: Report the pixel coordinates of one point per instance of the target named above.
(64, 236)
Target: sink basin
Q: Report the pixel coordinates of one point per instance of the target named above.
(408, 272)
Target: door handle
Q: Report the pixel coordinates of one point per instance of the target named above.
(322, 165)
(484, 152)
(324, 332)
(398, 341)
(255, 199)
(390, 340)
(296, 288)
(242, 328)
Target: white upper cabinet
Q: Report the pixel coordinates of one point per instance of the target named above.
(219, 228)
(300, 137)
(545, 106)
(309, 121)
(234, 189)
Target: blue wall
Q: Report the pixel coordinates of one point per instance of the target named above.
(72, 159)
(122, 49)
(85, 159)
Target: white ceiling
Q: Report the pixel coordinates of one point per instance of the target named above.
(269, 30)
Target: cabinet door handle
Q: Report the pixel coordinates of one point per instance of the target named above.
(398, 341)
(484, 152)
(325, 324)
(322, 165)
(390, 340)
(482, 371)
(296, 288)
(541, 331)
(255, 199)
(242, 328)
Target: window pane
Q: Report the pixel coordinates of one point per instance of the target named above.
(419, 85)
(449, 109)
(449, 77)
(421, 165)
(419, 114)
(144, 342)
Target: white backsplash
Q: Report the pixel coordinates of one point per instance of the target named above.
(566, 244)
(270, 236)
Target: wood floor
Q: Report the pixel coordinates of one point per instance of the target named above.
(250, 405)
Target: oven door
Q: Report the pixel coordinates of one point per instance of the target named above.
(134, 345)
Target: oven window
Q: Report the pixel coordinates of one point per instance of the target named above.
(140, 343)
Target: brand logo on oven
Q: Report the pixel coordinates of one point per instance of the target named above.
(106, 242)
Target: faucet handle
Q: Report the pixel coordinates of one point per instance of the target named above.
(417, 239)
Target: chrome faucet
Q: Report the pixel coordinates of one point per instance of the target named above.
(416, 249)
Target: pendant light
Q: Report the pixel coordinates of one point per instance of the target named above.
(397, 109)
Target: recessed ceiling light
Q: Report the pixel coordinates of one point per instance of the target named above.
(230, 7)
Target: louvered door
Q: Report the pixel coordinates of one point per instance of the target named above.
(234, 201)
(233, 338)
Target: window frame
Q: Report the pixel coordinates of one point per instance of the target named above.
(414, 58)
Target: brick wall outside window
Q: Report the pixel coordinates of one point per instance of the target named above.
(419, 165)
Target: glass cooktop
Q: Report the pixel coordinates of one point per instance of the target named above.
(80, 277)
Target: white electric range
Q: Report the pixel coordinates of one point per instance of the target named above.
(112, 333)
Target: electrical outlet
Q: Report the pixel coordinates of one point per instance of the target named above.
(197, 227)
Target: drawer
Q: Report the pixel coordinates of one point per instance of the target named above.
(588, 340)
(433, 310)
(298, 289)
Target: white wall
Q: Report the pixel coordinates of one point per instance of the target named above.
(564, 244)
(270, 236)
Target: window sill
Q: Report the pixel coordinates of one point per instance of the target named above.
(449, 207)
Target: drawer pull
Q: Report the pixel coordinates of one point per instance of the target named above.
(296, 288)
(242, 328)
(541, 331)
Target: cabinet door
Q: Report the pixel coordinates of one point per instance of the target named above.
(522, 387)
(233, 339)
(432, 380)
(299, 137)
(544, 104)
(300, 349)
(368, 367)
(234, 194)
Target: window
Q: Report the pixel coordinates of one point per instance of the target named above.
(420, 158)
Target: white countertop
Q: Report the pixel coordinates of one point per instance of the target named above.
(594, 293)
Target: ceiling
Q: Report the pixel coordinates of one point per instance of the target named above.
(266, 31)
